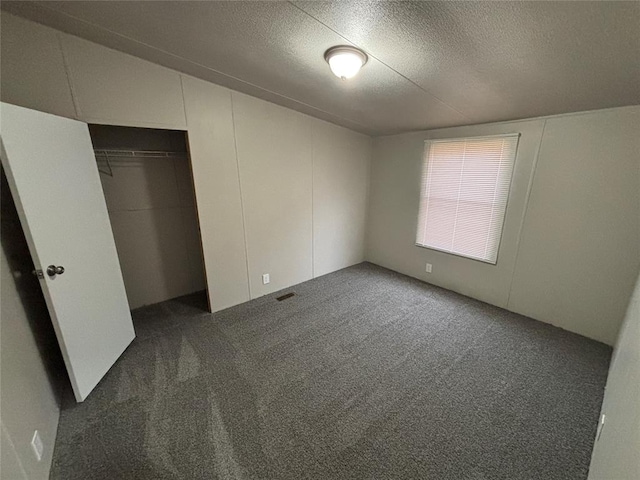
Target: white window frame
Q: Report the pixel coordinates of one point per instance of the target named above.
(425, 166)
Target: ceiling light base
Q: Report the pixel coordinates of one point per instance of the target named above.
(345, 61)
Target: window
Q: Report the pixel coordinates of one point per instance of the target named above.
(465, 186)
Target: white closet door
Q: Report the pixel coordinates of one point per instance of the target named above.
(54, 180)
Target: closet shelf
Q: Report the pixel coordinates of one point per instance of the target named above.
(104, 157)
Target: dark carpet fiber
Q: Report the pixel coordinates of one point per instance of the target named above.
(363, 374)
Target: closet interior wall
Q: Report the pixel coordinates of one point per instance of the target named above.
(148, 186)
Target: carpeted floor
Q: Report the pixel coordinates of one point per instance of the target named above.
(363, 374)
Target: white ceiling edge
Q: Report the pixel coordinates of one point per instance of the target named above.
(516, 120)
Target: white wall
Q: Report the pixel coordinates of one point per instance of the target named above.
(27, 396)
(212, 148)
(154, 222)
(571, 241)
(255, 165)
(40, 82)
(579, 250)
(615, 453)
(109, 87)
(341, 163)
(274, 148)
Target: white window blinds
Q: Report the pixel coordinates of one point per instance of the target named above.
(465, 187)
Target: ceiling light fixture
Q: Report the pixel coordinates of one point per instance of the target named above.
(345, 61)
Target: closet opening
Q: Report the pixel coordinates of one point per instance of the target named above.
(147, 182)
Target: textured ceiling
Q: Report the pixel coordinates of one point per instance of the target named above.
(432, 64)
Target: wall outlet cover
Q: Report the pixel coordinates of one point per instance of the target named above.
(265, 279)
(429, 267)
(37, 446)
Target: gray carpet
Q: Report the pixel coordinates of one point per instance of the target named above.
(363, 374)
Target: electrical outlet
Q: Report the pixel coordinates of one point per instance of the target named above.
(37, 446)
(429, 267)
(265, 279)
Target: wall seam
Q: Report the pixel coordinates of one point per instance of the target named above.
(373, 141)
(67, 71)
(313, 220)
(534, 169)
(244, 223)
(184, 102)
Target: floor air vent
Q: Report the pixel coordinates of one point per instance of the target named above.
(285, 296)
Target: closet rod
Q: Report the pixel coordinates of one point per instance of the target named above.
(138, 153)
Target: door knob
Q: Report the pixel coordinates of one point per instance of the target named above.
(52, 270)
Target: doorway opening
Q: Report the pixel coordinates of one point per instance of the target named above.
(148, 187)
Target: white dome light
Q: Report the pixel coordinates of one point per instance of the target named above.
(345, 62)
